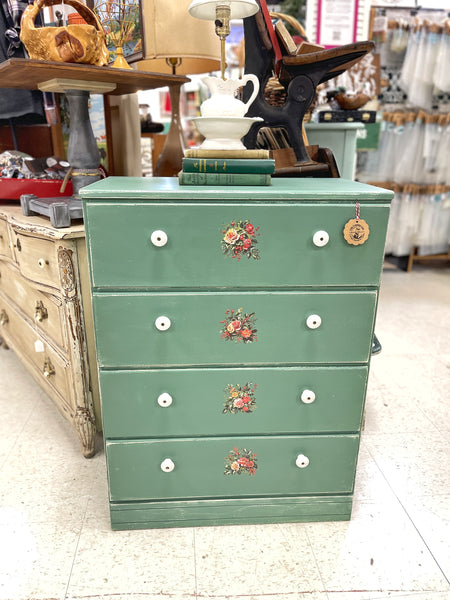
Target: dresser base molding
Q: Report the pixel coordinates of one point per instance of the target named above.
(232, 511)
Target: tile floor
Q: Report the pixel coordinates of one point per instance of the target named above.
(56, 543)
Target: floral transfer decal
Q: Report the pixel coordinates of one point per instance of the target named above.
(239, 326)
(240, 399)
(239, 239)
(240, 462)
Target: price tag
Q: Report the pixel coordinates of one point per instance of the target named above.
(356, 231)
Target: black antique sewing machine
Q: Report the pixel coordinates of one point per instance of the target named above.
(299, 73)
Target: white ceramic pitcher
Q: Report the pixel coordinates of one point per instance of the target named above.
(222, 102)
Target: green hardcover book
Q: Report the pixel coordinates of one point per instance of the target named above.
(228, 165)
(224, 178)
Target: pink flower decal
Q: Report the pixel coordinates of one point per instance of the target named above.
(240, 399)
(239, 462)
(240, 239)
(239, 326)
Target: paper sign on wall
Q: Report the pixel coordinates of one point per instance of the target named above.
(336, 22)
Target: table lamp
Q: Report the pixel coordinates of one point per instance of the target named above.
(223, 122)
(178, 44)
(221, 12)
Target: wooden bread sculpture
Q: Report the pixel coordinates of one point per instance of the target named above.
(84, 43)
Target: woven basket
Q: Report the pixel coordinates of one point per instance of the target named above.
(74, 43)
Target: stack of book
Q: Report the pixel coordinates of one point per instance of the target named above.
(226, 167)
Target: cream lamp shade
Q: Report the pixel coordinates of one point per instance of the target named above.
(170, 32)
(206, 9)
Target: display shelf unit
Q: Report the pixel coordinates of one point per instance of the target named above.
(77, 81)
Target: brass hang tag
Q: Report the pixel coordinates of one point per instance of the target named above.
(356, 231)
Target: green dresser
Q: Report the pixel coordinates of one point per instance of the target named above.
(233, 331)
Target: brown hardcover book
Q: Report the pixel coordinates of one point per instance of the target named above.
(202, 153)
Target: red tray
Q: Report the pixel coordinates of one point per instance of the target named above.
(12, 189)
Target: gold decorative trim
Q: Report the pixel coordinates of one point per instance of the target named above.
(66, 271)
(85, 427)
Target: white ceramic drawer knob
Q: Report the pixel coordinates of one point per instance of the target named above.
(159, 238)
(39, 346)
(42, 262)
(313, 321)
(321, 238)
(167, 465)
(308, 396)
(165, 399)
(302, 461)
(163, 323)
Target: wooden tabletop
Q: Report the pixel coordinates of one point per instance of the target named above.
(27, 74)
(11, 211)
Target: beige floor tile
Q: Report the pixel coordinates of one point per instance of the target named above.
(422, 377)
(431, 517)
(390, 409)
(256, 559)
(429, 595)
(158, 561)
(370, 483)
(36, 560)
(52, 487)
(132, 596)
(278, 596)
(379, 550)
(18, 397)
(413, 465)
(6, 446)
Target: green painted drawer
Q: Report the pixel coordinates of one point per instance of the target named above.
(284, 254)
(275, 331)
(210, 402)
(231, 467)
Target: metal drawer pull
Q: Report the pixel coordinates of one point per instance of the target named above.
(48, 369)
(162, 323)
(17, 245)
(159, 238)
(40, 312)
(321, 238)
(302, 461)
(4, 317)
(42, 262)
(313, 321)
(165, 399)
(308, 396)
(167, 465)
